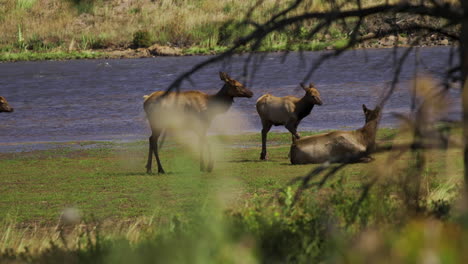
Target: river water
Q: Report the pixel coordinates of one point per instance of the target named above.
(57, 101)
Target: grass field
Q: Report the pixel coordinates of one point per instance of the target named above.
(108, 180)
(107, 183)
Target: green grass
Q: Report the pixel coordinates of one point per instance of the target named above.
(58, 55)
(109, 180)
(25, 4)
(243, 206)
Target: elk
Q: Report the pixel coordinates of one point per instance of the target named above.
(287, 111)
(4, 106)
(338, 146)
(190, 110)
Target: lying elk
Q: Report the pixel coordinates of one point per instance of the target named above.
(338, 146)
(4, 106)
(190, 110)
(287, 111)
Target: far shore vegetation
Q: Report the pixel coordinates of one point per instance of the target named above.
(74, 29)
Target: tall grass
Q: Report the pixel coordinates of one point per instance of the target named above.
(25, 4)
(188, 23)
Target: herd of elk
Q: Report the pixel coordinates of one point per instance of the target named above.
(338, 146)
(194, 110)
(4, 106)
(285, 111)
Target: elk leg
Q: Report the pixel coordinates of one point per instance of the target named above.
(202, 152)
(150, 156)
(155, 138)
(266, 128)
(210, 158)
(291, 126)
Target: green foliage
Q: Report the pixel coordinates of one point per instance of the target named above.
(135, 10)
(92, 42)
(230, 31)
(36, 43)
(142, 39)
(227, 8)
(357, 211)
(20, 42)
(286, 233)
(267, 225)
(25, 4)
(204, 50)
(84, 6)
(32, 56)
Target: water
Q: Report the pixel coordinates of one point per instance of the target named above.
(57, 101)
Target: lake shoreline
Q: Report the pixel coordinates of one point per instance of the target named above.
(167, 51)
(7, 148)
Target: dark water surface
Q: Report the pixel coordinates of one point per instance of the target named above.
(102, 99)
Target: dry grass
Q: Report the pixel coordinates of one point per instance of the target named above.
(97, 24)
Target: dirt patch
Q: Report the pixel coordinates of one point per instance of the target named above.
(127, 53)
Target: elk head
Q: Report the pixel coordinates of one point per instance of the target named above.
(312, 94)
(235, 88)
(371, 114)
(4, 106)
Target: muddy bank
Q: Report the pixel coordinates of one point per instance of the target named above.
(384, 42)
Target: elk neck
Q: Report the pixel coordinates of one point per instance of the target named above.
(303, 108)
(368, 132)
(222, 101)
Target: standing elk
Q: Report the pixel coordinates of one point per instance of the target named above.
(4, 106)
(190, 110)
(338, 146)
(286, 111)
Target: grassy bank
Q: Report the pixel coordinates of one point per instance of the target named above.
(65, 29)
(243, 212)
(108, 180)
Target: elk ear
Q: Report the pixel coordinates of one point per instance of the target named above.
(224, 76)
(364, 108)
(311, 85)
(304, 87)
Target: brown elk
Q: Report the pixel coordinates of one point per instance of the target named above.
(190, 110)
(287, 111)
(4, 106)
(338, 146)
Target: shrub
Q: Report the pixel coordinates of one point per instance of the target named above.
(84, 6)
(141, 39)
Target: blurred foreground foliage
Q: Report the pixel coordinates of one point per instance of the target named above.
(320, 226)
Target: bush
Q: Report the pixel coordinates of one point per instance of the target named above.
(230, 31)
(141, 39)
